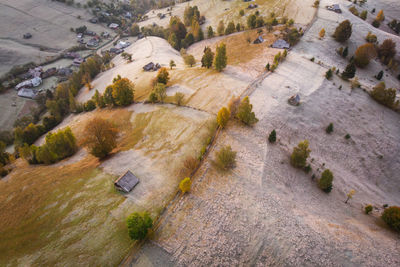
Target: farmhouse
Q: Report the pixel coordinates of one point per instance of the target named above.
(280, 43)
(151, 67)
(27, 93)
(294, 100)
(27, 35)
(334, 8)
(113, 26)
(259, 40)
(126, 182)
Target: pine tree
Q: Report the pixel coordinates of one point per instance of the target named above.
(350, 71)
(345, 52)
(210, 32)
(379, 75)
(220, 58)
(245, 113)
(207, 59)
(221, 28)
(272, 136)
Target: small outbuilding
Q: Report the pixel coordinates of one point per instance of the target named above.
(126, 182)
(27, 93)
(27, 35)
(259, 40)
(151, 67)
(281, 44)
(294, 100)
(334, 8)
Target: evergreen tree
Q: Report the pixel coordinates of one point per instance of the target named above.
(208, 58)
(272, 136)
(210, 32)
(343, 31)
(379, 75)
(138, 225)
(220, 58)
(221, 28)
(325, 183)
(350, 71)
(230, 28)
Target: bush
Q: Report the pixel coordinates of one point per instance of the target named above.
(322, 33)
(101, 136)
(189, 165)
(300, 154)
(138, 225)
(244, 112)
(272, 136)
(343, 31)
(354, 10)
(347, 136)
(364, 54)
(371, 38)
(363, 14)
(376, 23)
(368, 209)
(225, 158)
(307, 168)
(391, 216)
(325, 183)
(179, 98)
(185, 185)
(329, 129)
(384, 96)
(223, 117)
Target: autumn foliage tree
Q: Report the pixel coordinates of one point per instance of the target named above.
(299, 156)
(325, 183)
(185, 185)
(381, 16)
(343, 31)
(223, 117)
(225, 158)
(322, 33)
(163, 76)
(101, 137)
(364, 54)
(245, 113)
(391, 216)
(384, 96)
(122, 92)
(387, 51)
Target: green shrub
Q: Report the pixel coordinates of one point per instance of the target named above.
(376, 23)
(225, 158)
(391, 216)
(244, 112)
(307, 168)
(368, 209)
(272, 136)
(138, 225)
(347, 136)
(299, 156)
(379, 75)
(350, 71)
(328, 74)
(329, 129)
(325, 183)
(90, 105)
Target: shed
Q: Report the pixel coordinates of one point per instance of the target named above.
(149, 66)
(126, 182)
(27, 93)
(259, 40)
(27, 35)
(294, 100)
(280, 43)
(335, 8)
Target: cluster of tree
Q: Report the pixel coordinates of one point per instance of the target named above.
(159, 92)
(391, 216)
(343, 51)
(384, 96)
(58, 146)
(277, 59)
(185, 185)
(244, 112)
(220, 59)
(119, 93)
(362, 15)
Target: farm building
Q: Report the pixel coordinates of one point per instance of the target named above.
(280, 43)
(259, 40)
(334, 8)
(27, 93)
(126, 182)
(151, 67)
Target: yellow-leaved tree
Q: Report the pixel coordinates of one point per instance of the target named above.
(185, 185)
(223, 117)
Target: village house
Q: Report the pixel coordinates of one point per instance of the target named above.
(281, 44)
